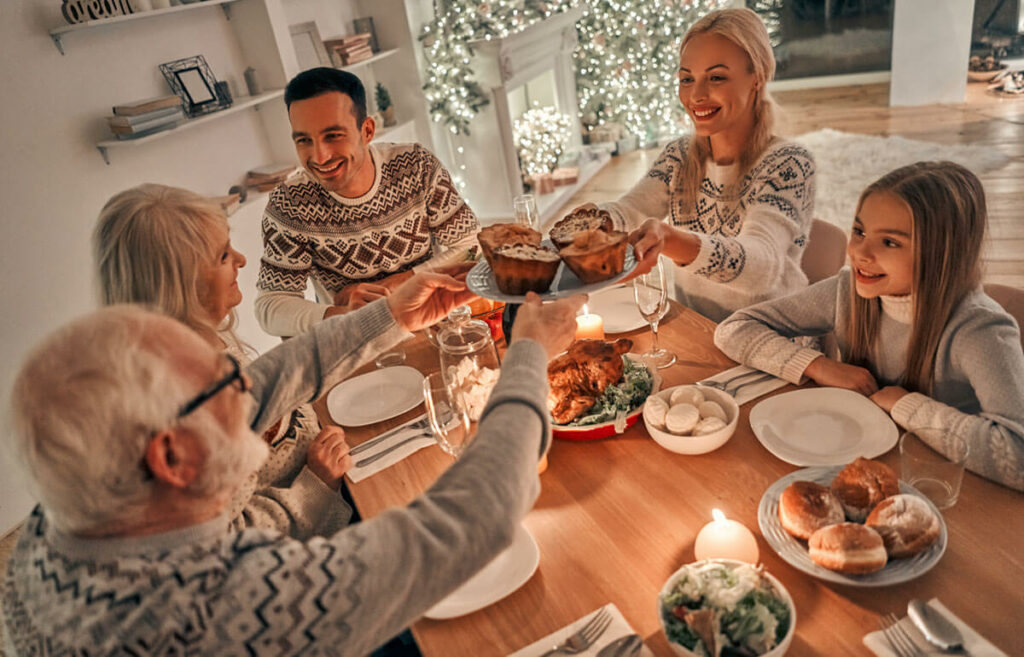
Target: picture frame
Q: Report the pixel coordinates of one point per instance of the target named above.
(192, 80)
(309, 46)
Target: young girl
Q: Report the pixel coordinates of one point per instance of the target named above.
(914, 330)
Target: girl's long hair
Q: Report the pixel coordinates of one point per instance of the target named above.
(949, 216)
(744, 28)
(150, 245)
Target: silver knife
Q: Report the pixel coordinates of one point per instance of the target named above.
(934, 626)
(417, 424)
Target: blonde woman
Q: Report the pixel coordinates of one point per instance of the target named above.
(915, 331)
(730, 204)
(169, 249)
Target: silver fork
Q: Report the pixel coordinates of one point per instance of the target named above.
(899, 640)
(384, 452)
(423, 424)
(585, 636)
(722, 385)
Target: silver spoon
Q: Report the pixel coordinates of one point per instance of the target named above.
(937, 630)
(624, 646)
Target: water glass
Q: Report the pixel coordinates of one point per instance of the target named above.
(651, 293)
(524, 209)
(449, 416)
(390, 359)
(937, 475)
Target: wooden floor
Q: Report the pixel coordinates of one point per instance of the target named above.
(983, 120)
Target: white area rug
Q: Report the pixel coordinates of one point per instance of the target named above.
(847, 163)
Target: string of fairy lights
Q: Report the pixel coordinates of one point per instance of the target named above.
(541, 135)
(626, 60)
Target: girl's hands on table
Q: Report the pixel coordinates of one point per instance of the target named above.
(328, 456)
(887, 397)
(827, 372)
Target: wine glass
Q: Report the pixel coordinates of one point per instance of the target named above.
(651, 293)
(524, 208)
(448, 414)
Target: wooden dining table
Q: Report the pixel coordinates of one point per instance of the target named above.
(616, 517)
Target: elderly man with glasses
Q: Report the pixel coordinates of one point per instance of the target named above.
(134, 432)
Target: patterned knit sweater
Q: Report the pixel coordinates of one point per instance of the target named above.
(206, 591)
(411, 211)
(979, 367)
(752, 240)
(284, 494)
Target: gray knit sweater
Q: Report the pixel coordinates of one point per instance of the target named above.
(203, 590)
(979, 368)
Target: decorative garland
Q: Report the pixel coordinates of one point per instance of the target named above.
(541, 135)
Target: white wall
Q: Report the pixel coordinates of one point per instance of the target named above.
(53, 181)
(931, 43)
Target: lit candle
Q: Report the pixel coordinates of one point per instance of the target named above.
(589, 326)
(725, 539)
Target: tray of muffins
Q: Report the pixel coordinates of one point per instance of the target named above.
(583, 253)
(857, 525)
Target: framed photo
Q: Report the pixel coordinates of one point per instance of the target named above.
(309, 46)
(192, 81)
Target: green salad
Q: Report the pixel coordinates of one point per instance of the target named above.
(718, 609)
(620, 398)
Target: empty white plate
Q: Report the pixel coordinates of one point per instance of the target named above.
(503, 575)
(617, 307)
(822, 426)
(375, 396)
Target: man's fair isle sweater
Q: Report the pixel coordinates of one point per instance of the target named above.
(412, 209)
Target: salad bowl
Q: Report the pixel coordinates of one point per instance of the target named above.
(740, 595)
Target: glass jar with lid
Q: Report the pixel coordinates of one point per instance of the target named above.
(469, 359)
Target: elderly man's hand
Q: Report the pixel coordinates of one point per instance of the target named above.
(553, 324)
(427, 298)
(328, 456)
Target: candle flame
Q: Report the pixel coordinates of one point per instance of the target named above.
(585, 310)
(717, 515)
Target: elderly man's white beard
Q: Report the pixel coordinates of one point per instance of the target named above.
(231, 460)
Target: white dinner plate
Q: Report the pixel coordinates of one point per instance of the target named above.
(794, 551)
(617, 307)
(822, 426)
(375, 396)
(503, 575)
(480, 281)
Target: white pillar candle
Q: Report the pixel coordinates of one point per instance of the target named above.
(589, 326)
(725, 539)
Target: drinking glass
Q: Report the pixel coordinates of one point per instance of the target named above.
(524, 208)
(936, 475)
(449, 416)
(651, 293)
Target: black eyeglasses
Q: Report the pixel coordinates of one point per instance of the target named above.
(234, 376)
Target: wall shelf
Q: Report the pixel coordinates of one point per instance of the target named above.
(366, 62)
(57, 34)
(241, 103)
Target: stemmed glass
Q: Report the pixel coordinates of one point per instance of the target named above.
(524, 208)
(651, 293)
(448, 415)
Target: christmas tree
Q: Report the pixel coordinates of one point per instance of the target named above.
(628, 59)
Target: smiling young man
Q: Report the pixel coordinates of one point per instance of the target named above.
(357, 218)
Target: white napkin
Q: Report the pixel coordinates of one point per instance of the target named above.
(747, 392)
(975, 644)
(357, 474)
(617, 628)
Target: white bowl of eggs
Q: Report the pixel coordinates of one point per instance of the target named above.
(691, 419)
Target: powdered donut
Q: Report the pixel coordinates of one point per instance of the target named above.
(848, 548)
(863, 484)
(654, 410)
(906, 524)
(708, 425)
(805, 507)
(712, 409)
(682, 418)
(687, 395)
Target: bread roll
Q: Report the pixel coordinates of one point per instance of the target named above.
(687, 395)
(805, 507)
(848, 548)
(863, 484)
(708, 425)
(712, 409)
(655, 409)
(681, 419)
(906, 524)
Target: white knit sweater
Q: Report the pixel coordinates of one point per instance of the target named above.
(751, 244)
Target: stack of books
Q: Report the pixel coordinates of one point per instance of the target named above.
(144, 117)
(266, 178)
(348, 50)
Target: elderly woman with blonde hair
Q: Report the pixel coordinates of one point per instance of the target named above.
(730, 204)
(169, 249)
